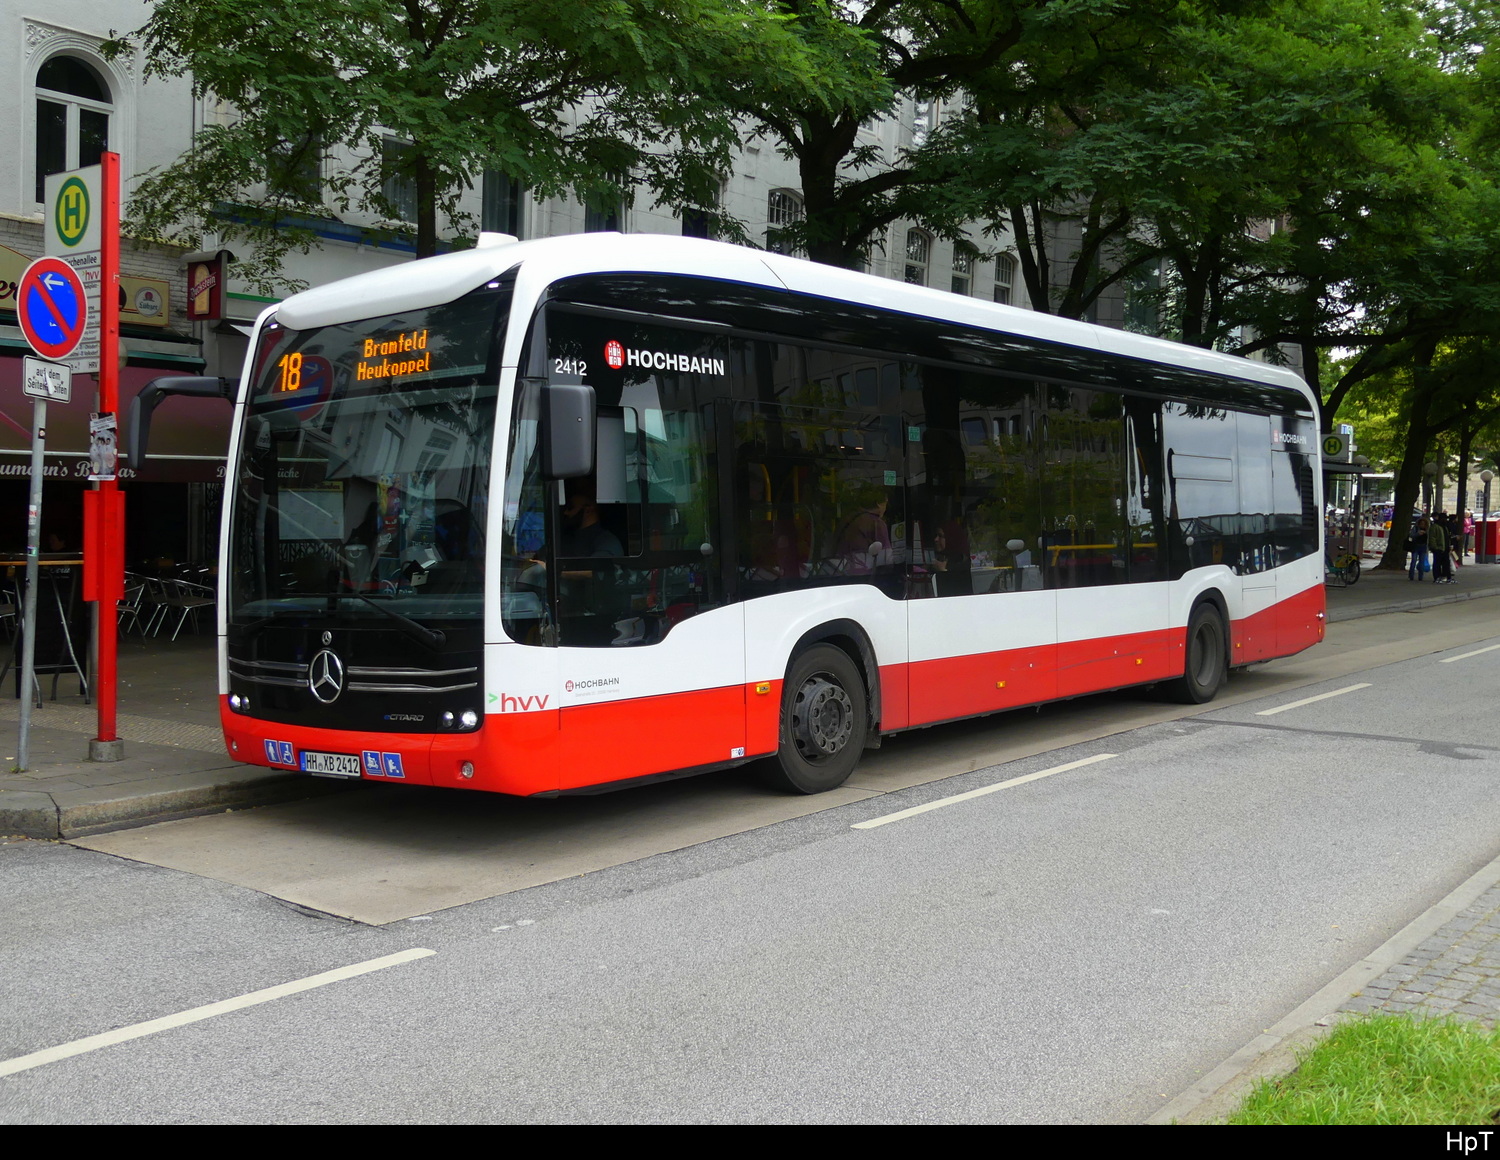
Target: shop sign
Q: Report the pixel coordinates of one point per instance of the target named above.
(144, 301)
(12, 266)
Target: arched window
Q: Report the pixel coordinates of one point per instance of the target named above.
(1005, 277)
(963, 267)
(73, 106)
(918, 251)
(783, 209)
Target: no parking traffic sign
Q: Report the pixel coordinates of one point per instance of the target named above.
(51, 307)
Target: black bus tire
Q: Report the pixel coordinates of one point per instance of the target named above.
(824, 721)
(1204, 663)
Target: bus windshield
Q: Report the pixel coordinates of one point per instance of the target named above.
(364, 469)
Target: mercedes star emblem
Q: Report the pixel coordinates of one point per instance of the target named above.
(325, 677)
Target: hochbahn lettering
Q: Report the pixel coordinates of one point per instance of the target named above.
(617, 356)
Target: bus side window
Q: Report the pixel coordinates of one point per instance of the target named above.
(1202, 496)
(977, 512)
(1144, 516)
(820, 499)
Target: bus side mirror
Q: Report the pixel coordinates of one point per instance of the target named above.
(568, 418)
(153, 392)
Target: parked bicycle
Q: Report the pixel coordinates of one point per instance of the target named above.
(1341, 571)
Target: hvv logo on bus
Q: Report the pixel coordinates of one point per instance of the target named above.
(618, 356)
(511, 703)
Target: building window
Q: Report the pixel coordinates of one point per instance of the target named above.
(699, 222)
(72, 118)
(602, 213)
(294, 169)
(925, 116)
(500, 211)
(963, 268)
(1005, 276)
(783, 209)
(398, 186)
(918, 250)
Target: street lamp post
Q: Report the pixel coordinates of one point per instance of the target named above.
(1429, 470)
(1481, 555)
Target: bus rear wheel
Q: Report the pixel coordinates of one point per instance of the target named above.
(824, 722)
(1204, 666)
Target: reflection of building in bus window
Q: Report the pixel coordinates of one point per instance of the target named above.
(865, 535)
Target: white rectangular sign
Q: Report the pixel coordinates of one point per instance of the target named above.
(75, 209)
(47, 380)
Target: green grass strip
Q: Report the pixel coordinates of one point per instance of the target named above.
(1387, 1069)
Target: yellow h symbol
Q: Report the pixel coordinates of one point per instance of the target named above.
(72, 210)
(71, 215)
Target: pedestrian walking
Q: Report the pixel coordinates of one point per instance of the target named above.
(1468, 545)
(1416, 544)
(1437, 544)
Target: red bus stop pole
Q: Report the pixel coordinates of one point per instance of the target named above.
(109, 508)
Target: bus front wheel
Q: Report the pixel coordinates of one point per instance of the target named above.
(1204, 666)
(824, 721)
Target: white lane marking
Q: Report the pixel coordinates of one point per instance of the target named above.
(1310, 700)
(980, 792)
(223, 1007)
(1467, 655)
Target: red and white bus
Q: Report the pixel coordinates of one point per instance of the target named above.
(565, 515)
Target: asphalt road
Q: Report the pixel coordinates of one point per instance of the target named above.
(1071, 948)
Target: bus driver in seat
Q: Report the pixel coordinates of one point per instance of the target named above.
(583, 536)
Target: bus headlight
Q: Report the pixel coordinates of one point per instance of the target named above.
(238, 703)
(468, 719)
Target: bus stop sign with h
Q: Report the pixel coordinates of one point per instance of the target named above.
(67, 305)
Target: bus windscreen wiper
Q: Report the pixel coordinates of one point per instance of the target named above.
(432, 638)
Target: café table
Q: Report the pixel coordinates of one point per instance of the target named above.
(62, 628)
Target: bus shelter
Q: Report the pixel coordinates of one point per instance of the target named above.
(1346, 531)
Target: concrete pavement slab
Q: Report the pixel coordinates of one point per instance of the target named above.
(378, 859)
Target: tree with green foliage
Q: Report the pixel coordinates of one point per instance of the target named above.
(327, 102)
(1213, 149)
(924, 50)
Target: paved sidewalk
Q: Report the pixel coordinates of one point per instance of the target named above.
(1454, 971)
(175, 762)
(1380, 592)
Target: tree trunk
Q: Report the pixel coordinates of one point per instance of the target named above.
(1031, 249)
(1409, 474)
(426, 180)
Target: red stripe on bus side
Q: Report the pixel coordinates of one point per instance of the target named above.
(619, 740)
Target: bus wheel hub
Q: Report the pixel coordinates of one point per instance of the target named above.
(823, 718)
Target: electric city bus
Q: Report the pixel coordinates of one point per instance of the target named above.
(565, 515)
